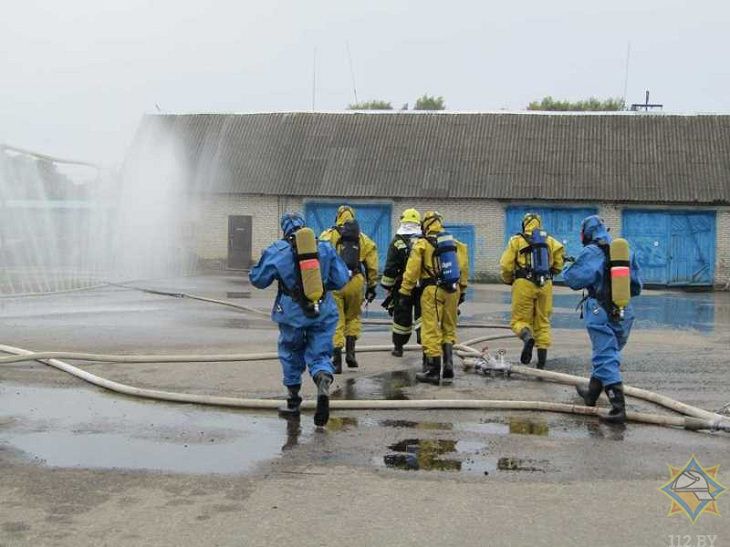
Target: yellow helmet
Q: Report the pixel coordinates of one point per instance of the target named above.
(432, 222)
(411, 215)
(531, 221)
(344, 213)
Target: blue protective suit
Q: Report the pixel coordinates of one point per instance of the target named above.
(303, 341)
(608, 336)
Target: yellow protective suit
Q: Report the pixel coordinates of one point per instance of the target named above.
(532, 306)
(349, 299)
(438, 307)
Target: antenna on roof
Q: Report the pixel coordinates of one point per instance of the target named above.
(626, 75)
(646, 106)
(314, 79)
(352, 71)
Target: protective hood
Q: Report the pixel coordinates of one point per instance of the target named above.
(593, 230)
(409, 229)
(432, 223)
(290, 223)
(344, 213)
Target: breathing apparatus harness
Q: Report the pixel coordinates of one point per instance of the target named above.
(537, 258)
(614, 292)
(444, 272)
(348, 246)
(307, 265)
(536, 253)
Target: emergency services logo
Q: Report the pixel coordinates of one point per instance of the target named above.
(693, 489)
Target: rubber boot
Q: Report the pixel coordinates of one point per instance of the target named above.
(541, 358)
(350, 351)
(293, 402)
(337, 360)
(448, 355)
(529, 343)
(617, 414)
(591, 392)
(424, 363)
(322, 412)
(432, 375)
(397, 351)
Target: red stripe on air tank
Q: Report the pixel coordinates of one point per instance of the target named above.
(310, 264)
(620, 271)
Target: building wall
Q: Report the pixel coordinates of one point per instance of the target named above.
(722, 268)
(210, 224)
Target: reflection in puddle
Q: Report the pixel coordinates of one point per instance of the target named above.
(389, 385)
(526, 426)
(423, 454)
(653, 310)
(452, 455)
(517, 464)
(406, 424)
(293, 431)
(343, 423)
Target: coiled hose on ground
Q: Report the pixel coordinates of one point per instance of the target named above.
(694, 419)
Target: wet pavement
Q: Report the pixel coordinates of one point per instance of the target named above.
(654, 310)
(91, 428)
(56, 431)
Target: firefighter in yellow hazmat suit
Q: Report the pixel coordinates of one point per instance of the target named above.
(439, 264)
(528, 263)
(361, 257)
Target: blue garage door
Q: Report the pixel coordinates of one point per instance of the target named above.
(374, 221)
(673, 248)
(466, 234)
(563, 223)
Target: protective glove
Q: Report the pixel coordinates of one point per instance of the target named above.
(370, 294)
(405, 303)
(462, 297)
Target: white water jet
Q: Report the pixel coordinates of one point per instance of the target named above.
(69, 225)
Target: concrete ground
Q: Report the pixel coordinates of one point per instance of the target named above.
(81, 466)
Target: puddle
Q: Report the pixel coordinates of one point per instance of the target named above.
(389, 385)
(559, 428)
(659, 310)
(406, 424)
(452, 455)
(518, 464)
(87, 428)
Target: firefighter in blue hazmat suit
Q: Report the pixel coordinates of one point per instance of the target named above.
(608, 332)
(304, 341)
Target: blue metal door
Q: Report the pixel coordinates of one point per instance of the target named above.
(648, 235)
(374, 220)
(563, 223)
(673, 247)
(467, 235)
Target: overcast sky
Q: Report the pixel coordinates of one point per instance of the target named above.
(77, 75)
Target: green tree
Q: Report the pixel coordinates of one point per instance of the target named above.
(429, 103)
(371, 105)
(589, 105)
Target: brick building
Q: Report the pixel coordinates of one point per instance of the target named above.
(661, 181)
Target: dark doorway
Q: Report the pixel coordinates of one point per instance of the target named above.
(239, 242)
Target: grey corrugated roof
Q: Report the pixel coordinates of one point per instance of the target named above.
(639, 158)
